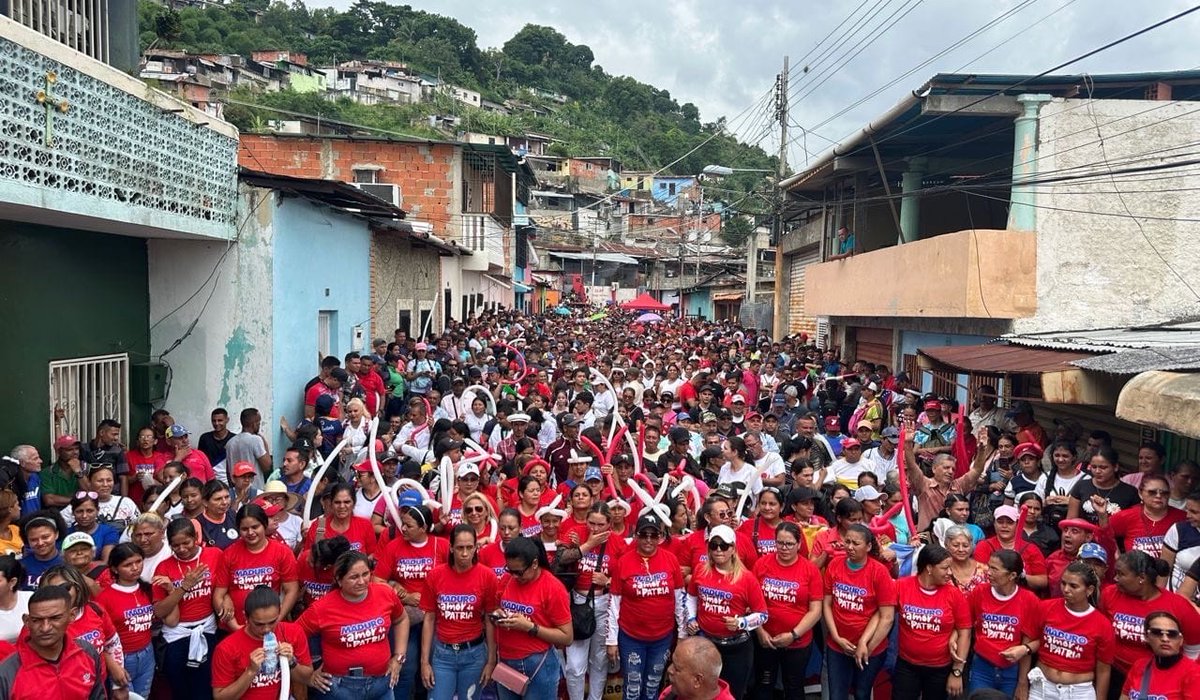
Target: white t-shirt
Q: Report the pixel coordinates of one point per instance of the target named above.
(1062, 484)
(118, 512)
(363, 506)
(882, 466)
(11, 623)
(773, 462)
(846, 473)
(744, 475)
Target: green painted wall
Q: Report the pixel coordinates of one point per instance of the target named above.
(65, 294)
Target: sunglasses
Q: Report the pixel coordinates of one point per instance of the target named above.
(87, 494)
(1164, 634)
(648, 535)
(1156, 492)
(516, 573)
(474, 509)
(720, 546)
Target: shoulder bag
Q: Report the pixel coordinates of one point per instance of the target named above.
(583, 615)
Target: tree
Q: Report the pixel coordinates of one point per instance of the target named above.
(168, 25)
(736, 230)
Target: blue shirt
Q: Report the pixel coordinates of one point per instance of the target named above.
(34, 568)
(103, 536)
(31, 501)
(846, 246)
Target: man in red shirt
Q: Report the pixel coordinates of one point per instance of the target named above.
(329, 386)
(695, 672)
(371, 382)
(47, 664)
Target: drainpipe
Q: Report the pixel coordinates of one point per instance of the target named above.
(1022, 214)
(910, 200)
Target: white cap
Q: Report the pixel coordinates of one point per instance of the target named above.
(723, 533)
(470, 468)
(867, 493)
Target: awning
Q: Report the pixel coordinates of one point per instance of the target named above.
(728, 296)
(521, 288)
(499, 280)
(1000, 358)
(598, 257)
(1164, 400)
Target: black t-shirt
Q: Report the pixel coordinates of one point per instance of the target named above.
(1119, 497)
(213, 447)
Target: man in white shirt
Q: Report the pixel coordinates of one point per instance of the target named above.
(457, 404)
(846, 469)
(770, 462)
(413, 438)
(882, 459)
(988, 413)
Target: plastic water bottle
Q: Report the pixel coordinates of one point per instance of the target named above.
(271, 647)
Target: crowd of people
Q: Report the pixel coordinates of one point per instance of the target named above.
(526, 507)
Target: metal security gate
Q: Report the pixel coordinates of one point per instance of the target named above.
(88, 390)
(798, 320)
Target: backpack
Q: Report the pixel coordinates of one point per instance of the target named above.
(10, 473)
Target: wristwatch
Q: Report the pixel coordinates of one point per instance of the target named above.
(956, 672)
(533, 631)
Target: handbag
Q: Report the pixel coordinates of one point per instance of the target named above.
(583, 615)
(513, 679)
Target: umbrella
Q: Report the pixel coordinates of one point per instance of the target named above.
(562, 311)
(649, 318)
(597, 316)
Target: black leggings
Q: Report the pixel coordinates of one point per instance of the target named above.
(188, 682)
(737, 663)
(769, 662)
(910, 681)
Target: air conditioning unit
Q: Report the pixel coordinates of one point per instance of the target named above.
(388, 193)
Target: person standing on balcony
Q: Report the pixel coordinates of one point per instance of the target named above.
(845, 244)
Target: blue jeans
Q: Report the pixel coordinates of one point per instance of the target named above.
(845, 676)
(140, 666)
(356, 688)
(543, 685)
(643, 665)
(412, 664)
(456, 672)
(986, 675)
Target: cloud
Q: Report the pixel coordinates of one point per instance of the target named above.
(724, 56)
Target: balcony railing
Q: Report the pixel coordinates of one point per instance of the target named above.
(484, 237)
(103, 151)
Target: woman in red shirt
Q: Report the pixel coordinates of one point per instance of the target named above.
(934, 622)
(1143, 527)
(1005, 521)
(1166, 674)
(403, 564)
(726, 604)
(1132, 598)
(128, 604)
(529, 492)
(761, 528)
(508, 528)
(316, 571)
(645, 610)
(1075, 644)
(359, 623)
(458, 639)
(574, 529)
(1006, 619)
(183, 588)
(479, 512)
(251, 561)
(859, 608)
(341, 520)
(599, 551)
(829, 544)
(238, 662)
(532, 618)
(793, 589)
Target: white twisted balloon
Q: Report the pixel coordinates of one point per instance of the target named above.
(316, 479)
(388, 498)
(655, 506)
(488, 398)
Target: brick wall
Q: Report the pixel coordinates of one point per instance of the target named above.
(426, 173)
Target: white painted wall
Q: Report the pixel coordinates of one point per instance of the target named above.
(1097, 266)
(226, 359)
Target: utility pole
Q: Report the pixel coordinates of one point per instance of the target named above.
(779, 328)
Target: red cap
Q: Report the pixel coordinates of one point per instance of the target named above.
(1027, 448)
(66, 441)
(363, 466)
(831, 423)
(272, 509)
(1076, 522)
(850, 442)
(242, 469)
(752, 415)
(933, 405)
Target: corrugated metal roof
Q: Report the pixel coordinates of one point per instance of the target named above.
(1143, 360)
(1000, 358)
(1167, 335)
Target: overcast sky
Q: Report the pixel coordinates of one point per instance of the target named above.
(724, 55)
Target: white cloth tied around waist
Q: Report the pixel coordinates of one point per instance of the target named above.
(194, 632)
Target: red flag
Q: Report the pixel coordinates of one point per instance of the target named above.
(962, 461)
(907, 502)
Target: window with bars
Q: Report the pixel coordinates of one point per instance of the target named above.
(89, 390)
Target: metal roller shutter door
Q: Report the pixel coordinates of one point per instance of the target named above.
(798, 320)
(873, 345)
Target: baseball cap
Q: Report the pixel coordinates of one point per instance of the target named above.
(422, 346)
(708, 417)
(903, 377)
(622, 458)
(177, 431)
(791, 391)
(723, 533)
(863, 426)
(649, 522)
(1027, 448)
(891, 434)
(593, 474)
(1089, 550)
(446, 444)
(850, 442)
(377, 359)
(242, 469)
(872, 386)
(571, 421)
(69, 441)
(738, 398)
(1009, 512)
(465, 469)
(933, 405)
(867, 493)
(363, 466)
(324, 403)
(78, 538)
(832, 423)
(753, 414)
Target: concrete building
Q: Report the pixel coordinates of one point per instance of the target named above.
(996, 205)
(300, 76)
(94, 167)
(373, 82)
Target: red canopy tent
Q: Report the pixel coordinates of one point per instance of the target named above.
(645, 302)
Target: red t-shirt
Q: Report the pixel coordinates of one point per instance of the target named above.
(788, 591)
(856, 595)
(765, 543)
(197, 604)
(927, 619)
(361, 534)
(230, 661)
(569, 525)
(139, 464)
(241, 570)
(319, 389)
(1073, 643)
(591, 561)
(1000, 624)
(373, 387)
(93, 626)
(1035, 561)
(315, 584)
(719, 597)
(1128, 616)
(828, 541)
(492, 556)
(132, 613)
(647, 588)
(543, 600)
(355, 634)
(409, 564)
(687, 392)
(1134, 531)
(1180, 682)
(460, 600)
(531, 527)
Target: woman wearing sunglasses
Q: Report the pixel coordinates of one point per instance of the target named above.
(794, 592)
(533, 617)
(859, 608)
(1165, 673)
(85, 507)
(1142, 528)
(645, 610)
(1130, 601)
(726, 604)
(479, 512)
